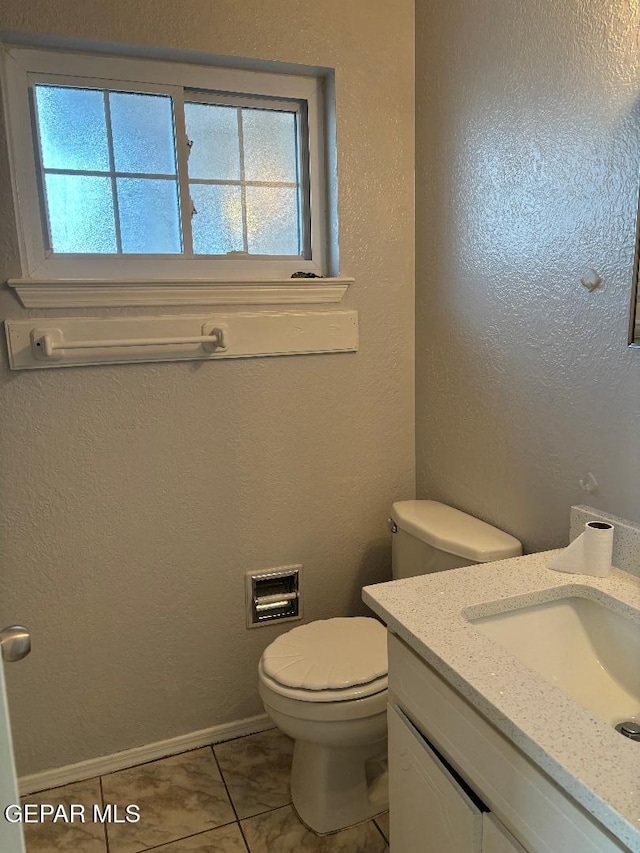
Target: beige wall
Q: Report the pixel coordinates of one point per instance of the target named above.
(527, 176)
(135, 497)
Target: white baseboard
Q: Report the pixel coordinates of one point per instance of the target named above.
(58, 776)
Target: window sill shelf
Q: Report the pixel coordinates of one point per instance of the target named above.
(36, 293)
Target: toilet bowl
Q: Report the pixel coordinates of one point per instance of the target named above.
(325, 683)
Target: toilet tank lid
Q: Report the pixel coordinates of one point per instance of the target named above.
(454, 531)
(329, 654)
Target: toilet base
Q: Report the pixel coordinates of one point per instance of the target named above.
(332, 789)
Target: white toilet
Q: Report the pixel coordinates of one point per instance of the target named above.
(325, 684)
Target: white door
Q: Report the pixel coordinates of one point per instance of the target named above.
(15, 645)
(429, 811)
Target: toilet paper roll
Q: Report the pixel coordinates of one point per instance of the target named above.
(598, 548)
(590, 553)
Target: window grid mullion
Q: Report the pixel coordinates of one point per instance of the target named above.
(112, 171)
(224, 183)
(304, 180)
(41, 181)
(243, 186)
(301, 234)
(182, 164)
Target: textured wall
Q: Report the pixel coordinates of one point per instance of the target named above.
(528, 158)
(136, 497)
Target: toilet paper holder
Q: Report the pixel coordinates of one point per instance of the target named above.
(273, 595)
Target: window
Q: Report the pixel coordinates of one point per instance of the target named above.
(128, 170)
(112, 182)
(108, 171)
(245, 182)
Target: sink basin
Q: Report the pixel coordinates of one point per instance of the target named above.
(587, 650)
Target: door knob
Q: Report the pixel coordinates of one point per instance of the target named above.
(15, 642)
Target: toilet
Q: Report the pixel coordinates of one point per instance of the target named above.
(325, 683)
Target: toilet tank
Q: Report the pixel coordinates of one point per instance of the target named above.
(431, 537)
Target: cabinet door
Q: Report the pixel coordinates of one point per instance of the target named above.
(429, 811)
(496, 838)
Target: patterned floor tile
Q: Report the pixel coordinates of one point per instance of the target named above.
(177, 796)
(280, 831)
(62, 837)
(227, 839)
(257, 769)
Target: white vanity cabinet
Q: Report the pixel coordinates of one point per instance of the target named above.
(433, 809)
(496, 838)
(457, 785)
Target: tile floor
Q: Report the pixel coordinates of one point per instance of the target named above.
(229, 798)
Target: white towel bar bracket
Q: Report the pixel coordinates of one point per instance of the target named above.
(50, 343)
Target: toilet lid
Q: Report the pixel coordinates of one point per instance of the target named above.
(330, 654)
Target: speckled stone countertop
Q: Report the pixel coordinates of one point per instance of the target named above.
(588, 759)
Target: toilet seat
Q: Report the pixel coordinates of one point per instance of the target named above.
(357, 691)
(331, 660)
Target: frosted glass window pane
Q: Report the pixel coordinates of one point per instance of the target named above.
(272, 221)
(142, 127)
(215, 153)
(149, 216)
(217, 226)
(72, 127)
(270, 150)
(80, 211)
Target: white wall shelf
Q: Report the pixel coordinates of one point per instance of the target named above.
(69, 342)
(71, 293)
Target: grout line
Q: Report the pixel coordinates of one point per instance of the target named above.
(224, 782)
(266, 811)
(244, 837)
(106, 833)
(226, 787)
(242, 737)
(379, 828)
(185, 837)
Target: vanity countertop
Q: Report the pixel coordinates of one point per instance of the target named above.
(587, 758)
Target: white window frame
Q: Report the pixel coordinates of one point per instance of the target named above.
(121, 275)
